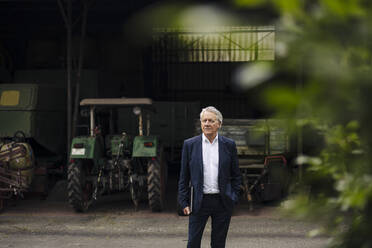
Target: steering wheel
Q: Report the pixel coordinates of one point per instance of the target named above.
(19, 136)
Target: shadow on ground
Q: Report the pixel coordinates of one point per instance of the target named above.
(56, 201)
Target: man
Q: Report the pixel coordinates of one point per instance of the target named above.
(210, 165)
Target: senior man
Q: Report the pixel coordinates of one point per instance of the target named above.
(210, 166)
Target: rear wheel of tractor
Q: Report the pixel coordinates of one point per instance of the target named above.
(79, 189)
(278, 178)
(156, 183)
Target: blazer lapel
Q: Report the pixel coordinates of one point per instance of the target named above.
(221, 150)
(200, 159)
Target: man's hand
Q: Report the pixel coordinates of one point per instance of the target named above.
(187, 211)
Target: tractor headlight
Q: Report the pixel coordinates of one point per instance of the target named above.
(137, 110)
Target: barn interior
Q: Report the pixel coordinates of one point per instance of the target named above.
(129, 49)
(184, 56)
(191, 54)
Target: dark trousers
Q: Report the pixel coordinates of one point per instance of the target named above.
(211, 206)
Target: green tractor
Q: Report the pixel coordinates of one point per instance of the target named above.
(106, 161)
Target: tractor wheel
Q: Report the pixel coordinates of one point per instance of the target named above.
(78, 188)
(136, 190)
(276, 183)
(156, 183)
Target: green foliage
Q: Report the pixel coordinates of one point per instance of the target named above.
(344, 8)
(325, 48)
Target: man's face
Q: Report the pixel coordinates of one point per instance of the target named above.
(210, 124)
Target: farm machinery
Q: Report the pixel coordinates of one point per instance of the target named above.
(263, 147)
(107, 160)
(31, 138)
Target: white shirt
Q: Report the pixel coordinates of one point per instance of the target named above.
(210, 165)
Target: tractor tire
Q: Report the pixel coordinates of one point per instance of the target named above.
(156, 184)
(79, 190)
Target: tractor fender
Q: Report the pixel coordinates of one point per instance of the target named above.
(86, 148)
(145, 146)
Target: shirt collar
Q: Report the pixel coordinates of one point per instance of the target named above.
(205, 139)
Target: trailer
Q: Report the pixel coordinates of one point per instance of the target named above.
(263, 147)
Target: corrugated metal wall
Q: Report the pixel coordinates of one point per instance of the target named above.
(192, 66)
(223, 44)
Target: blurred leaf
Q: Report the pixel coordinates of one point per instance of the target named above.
(289, 6)
(204, 17)
(344, 8)
(328, 48)
(316, 232)
(249, 3)
(251, 75)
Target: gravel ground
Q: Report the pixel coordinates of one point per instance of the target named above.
(56, 225)
(112, 222)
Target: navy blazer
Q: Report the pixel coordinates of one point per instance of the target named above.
(229, 178)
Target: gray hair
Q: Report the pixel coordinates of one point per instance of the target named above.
(213, 110)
